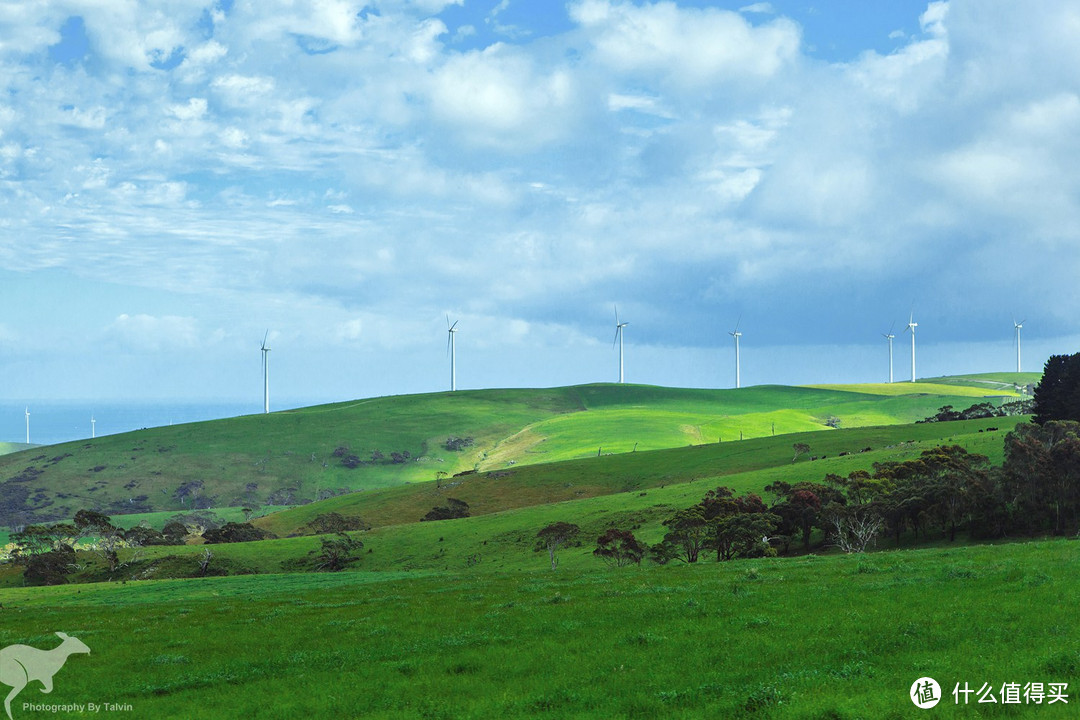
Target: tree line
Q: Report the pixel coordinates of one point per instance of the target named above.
(944, 492)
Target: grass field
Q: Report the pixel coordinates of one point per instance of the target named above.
(816, 637)
(10, 447)
(464, 618)
(298, 455)
(630, 473)
(634, 491)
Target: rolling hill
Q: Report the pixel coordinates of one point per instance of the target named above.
(465, 618)
(303, 455)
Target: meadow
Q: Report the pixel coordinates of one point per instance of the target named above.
(466, 619)
(810, 637)
(295, 456)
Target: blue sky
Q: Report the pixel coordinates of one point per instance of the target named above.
(176, 178)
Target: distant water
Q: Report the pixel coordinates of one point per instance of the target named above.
(62, 421)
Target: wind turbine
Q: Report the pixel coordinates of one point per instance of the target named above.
(27, 426)
(911, 325)
(619, 338)
(266, 373)
(452, 350)
(889, 336)
(736, 334)
(93, 427)
(1018, 326)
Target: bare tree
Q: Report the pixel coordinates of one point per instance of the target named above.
(854, 528)
(204, 564)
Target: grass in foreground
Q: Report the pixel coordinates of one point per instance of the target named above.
(815, 637)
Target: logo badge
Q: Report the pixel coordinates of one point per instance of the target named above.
(22, 664)
(925, 693)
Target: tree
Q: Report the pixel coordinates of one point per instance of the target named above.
(337, 552)
(141, 536)
(688, 531)
(107, 538)
(233, 532)
(37, 539)
(1041, 476)
(454, 508)
(619, 548)
(800, 449)
(1057, 396)
(174, 532)
(745, 535)
(51, 567)
(555, 536)
(854, 527)
(333, 522)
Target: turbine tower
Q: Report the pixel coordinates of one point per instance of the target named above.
(93, 427)
(1018, 326)
(27, 426)
(452, 350)
(266, 373)
(619, 338)
(736, 334)
(889, 336)
(911, 325)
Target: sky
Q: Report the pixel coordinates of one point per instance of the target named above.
(180, 177)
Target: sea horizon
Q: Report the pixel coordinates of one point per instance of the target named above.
(59, 421)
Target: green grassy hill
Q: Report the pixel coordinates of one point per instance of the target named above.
(464, 618)
(302, 455)
(814, 637)
(10, 447)
(757, 462)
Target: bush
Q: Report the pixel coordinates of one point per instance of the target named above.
(456, 444)
(453, 509)
(140, 536)
(333, 522)
(233, 532)
(337, 552)
(174, 533)
(50, 568)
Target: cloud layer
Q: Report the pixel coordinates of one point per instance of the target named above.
(348, 173)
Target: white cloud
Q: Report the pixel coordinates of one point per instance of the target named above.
(498, 96)
(148, 333)
(241, 89)
(653, 149)
(686, 46)
(194, 109)
(92, 118)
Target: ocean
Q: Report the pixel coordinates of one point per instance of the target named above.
(53, 421)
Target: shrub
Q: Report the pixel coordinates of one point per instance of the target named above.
(454, 508)
(233, 532)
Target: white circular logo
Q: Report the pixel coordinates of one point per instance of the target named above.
(925, 692)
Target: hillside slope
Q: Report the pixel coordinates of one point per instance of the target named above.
(302, 455)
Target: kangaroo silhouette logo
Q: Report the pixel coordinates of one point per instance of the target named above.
(19, 664)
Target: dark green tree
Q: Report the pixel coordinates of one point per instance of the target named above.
(1057, 396)
(688, 532)
(336, 552)
(556, 535)
(619, 548)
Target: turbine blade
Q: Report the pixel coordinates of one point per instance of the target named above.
(618, 329)
(264, 338)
